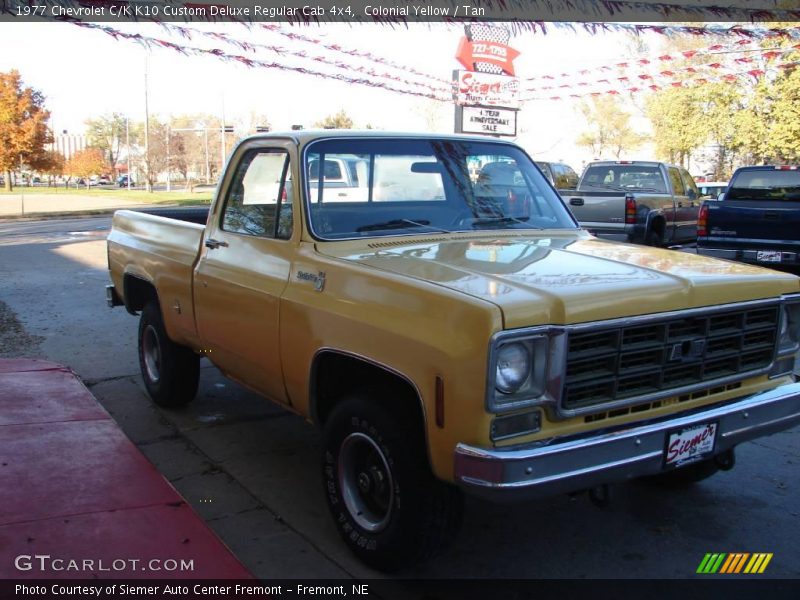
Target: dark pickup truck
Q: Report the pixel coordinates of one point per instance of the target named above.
(757, 220)
(636, 201)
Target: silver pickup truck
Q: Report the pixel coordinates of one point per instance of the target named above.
(649, 203)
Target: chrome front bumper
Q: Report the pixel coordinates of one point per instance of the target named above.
(518, 473)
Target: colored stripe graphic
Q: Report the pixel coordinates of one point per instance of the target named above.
(711, 563)
(758, 563)
(734, 563)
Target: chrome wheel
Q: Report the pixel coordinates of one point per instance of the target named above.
(151, 351)
(366, 482)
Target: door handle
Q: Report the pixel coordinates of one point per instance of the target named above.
(576, 201)
(214, 244)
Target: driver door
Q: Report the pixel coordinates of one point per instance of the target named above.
(244, 269)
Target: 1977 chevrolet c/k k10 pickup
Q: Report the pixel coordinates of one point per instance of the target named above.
(453, 334)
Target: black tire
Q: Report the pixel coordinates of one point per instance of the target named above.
(385, 502)
(653, 238)
(170, 371)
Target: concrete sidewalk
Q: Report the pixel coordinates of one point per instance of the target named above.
(77, 491)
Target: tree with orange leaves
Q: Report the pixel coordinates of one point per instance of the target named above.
(23, 125)
(85, 163)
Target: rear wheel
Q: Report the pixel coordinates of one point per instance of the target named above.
(386, 503)
(170, 371)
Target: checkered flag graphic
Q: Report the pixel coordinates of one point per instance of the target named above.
(479, 32)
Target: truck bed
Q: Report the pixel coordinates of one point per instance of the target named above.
(162, 250)
(757, 221)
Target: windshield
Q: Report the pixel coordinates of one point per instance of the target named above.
(765, 184)
(623, 177)
(404, 186)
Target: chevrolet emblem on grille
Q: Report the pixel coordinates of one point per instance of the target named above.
(687, 351)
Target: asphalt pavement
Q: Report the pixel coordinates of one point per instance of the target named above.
(252, 470)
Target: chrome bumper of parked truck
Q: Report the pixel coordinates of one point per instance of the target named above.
(561, 466)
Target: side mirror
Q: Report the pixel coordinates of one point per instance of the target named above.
(692, 195)
(721, 197)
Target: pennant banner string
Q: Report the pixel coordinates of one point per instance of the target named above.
(661, 83)
(714, 50)
(753, 33)
(188, 33)
(150, 42)
(626, 73)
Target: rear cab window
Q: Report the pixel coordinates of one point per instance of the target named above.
(765, 184)
(623, 177)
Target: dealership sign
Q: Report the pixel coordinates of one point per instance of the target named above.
(486, 93)
(472, 53)
(486, 89)
(487, 120)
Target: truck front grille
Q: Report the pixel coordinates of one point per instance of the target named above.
(640, 359)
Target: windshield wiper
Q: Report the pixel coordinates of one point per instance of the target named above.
(400, 224)
(502, 221)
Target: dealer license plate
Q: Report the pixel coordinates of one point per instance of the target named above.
(690, 445)
(768, 256)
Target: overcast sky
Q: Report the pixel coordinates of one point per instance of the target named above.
(85, 73)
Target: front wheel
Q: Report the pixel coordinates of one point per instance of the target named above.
(386, 503)
(170, 371)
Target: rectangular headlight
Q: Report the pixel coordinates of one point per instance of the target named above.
(521, 364)
(789, 328)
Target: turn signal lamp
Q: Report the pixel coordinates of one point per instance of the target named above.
(630, 210)
(702, 221)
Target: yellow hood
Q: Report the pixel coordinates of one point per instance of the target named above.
(553, 280)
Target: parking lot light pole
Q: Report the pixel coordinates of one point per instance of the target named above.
(128, 144)
(208, 163)
(169, 178)
(21, 187)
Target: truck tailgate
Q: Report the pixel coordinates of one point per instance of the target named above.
(772, 223)
(597, 207)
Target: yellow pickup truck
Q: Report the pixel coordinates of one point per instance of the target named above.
(452, 333)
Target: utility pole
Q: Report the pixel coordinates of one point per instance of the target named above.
(21, 187)
(208, 163)
(128, 144)
(149, 186)
(222, 129)
(169, 182)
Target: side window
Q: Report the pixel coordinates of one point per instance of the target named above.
(677, 182)
(565, 177)
(691, 187)
(259, 201)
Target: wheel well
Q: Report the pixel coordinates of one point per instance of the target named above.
(335, 375)
(658, 225)
(138, 292)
